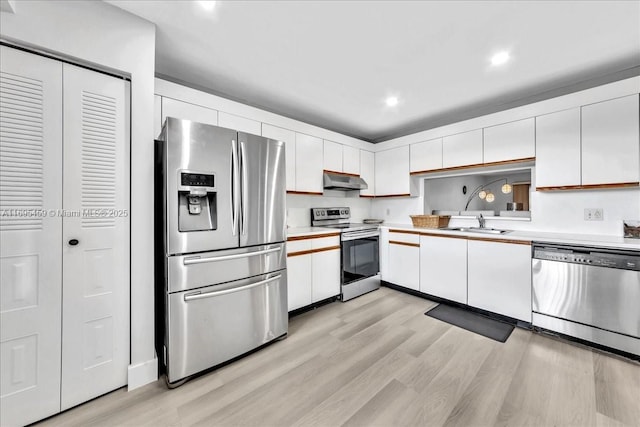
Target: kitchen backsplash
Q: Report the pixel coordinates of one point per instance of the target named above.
(299, 206)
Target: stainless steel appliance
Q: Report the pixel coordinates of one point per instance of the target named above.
(224, 291)
(359, 247)
(588, 293)
(343, 182)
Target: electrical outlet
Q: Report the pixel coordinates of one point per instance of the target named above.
(593, 214)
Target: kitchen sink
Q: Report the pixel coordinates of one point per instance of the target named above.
(478, 230)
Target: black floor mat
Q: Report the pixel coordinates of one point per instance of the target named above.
(473, 322)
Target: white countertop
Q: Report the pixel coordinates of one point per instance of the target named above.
(618, 242)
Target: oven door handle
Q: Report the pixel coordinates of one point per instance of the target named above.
(355, 235)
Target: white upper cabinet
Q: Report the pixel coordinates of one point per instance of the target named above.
(186, 111)
(611, 142)
(367, 172)
(392, 172)
(289, 139)
(332, 156)
(309, 164)
(462, 149)
(350, 160)
(510, 141)
(426, 155)
(239, 123)
(341, 158)
(558, 149)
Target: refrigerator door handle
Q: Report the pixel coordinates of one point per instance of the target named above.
(198, 260)
(192, 297)
(245, 192)
(234, 187)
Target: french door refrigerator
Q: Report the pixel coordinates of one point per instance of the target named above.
(224, 291)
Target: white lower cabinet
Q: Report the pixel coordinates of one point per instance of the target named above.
(499, 278)
(404, 259)
(313, 270)
(443, 267)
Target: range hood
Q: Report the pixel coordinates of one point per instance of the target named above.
(338, 181)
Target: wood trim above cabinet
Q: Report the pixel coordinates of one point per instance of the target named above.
(395, 230)
(446, 236)
(311, 251)
(476, 165)
(341, 173)
(311, 193)
(367, 196)
(396, 242)
(590, 186)
(497, 240)
(393, 195)
(312, 236)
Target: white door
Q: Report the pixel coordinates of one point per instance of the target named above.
(95, 328)
(30, 234)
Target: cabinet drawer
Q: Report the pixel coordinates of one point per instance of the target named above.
(400, 237)
(298, 245)
(325, 242)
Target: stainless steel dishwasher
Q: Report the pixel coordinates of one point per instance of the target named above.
(588, 293)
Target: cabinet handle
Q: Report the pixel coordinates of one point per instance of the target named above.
(73, 242)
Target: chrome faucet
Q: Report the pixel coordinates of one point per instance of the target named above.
(481, 220)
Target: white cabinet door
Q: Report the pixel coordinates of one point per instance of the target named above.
(298, 281)
(289, 139)
(404, 260)
(443, 267)
(392, 172)
(426, 155)
(95, 325)
(30, 246)
(462, 149)
(500, 278)
(611, 142)
(332, 156)
(184, 110)
(367, 172)
(558, 149)
(157, 115)
(309, 164)
(325, 268)
(350, 160)
(510, 141)
(239, 123)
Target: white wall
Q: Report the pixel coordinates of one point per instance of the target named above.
(299, 206)
(99, 34)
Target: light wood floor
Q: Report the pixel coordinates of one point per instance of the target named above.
(378, 360)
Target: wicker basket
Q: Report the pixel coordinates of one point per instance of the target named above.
(430, 221)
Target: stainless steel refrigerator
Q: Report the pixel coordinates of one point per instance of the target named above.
(224, 291)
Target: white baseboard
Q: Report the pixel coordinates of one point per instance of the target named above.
(142, 373)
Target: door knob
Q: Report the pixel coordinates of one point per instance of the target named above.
(73, 242)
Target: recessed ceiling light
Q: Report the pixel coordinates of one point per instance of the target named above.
(500, 58)
(208, 5)
(392, 101)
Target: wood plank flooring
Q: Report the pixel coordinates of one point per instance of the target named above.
(379, 361)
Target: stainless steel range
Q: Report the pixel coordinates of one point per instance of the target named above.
(359, 247)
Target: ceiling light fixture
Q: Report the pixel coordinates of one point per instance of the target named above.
(207, 5)
(500, 58)
(392, 101)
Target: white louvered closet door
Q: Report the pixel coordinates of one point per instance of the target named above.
(95, 328)
(30, 236)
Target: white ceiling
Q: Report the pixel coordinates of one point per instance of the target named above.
(333, 63)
